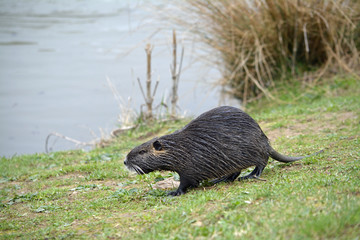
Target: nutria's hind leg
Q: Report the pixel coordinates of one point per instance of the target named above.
(185, 184)
(228, 178)
(254, 174)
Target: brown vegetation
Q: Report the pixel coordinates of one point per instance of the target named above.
(258, 42)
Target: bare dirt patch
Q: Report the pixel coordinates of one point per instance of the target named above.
(168, 183)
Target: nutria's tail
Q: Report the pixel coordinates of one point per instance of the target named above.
(286, 159)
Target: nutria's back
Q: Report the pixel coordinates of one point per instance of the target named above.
(219, 142)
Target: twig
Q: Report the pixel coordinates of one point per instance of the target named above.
(142, 90)
(155, 88)
(149, 97)
(174, 78)
(295, 42)
(175, 74)
(306, 43)
(180, 66)
(77, 142)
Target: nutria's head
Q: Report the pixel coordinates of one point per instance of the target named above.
(147, 157)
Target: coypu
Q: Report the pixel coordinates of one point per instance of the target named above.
(215, 146)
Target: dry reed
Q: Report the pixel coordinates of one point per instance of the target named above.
(258, 42)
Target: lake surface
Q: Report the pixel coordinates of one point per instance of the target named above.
(56, 57)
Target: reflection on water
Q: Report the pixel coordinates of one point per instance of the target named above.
(55, 57)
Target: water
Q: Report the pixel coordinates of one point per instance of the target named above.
(56, 56)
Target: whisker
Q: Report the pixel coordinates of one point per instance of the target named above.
(131, 168)
(138, 169)
(134, 168)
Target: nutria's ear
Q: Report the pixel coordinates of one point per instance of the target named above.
(157, 145)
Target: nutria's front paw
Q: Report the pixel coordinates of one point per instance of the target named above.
(176, 193)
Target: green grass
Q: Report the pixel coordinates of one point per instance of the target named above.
(84, 195)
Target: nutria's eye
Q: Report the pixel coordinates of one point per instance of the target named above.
(157, 146)
(141, 152)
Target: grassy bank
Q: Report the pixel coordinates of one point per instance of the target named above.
(76, 194)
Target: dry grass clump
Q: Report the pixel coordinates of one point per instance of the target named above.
(260, 41)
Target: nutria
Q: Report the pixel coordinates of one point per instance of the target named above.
(215, 146)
